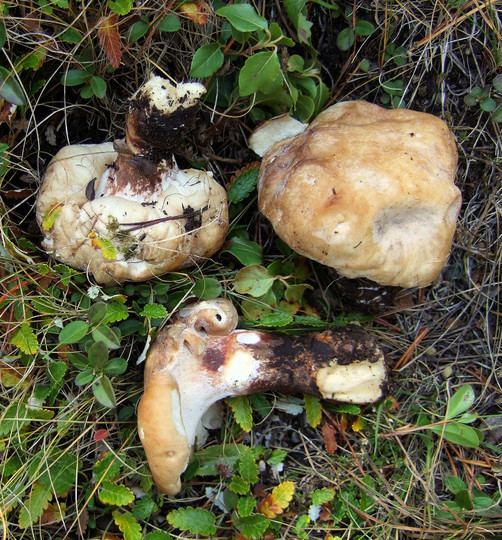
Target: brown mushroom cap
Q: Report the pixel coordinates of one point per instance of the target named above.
(367, 191)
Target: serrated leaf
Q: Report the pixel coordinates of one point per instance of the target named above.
(207, 60)
(103, 391)
(243, 185)
(107, 468)
(252, 526)
(56, 371)
(238, 485)
(248, 468)
(242, 410)
(207, 288)
(73, 332)
(35, 505)
(116, 494)
(276, 502)
(277, 457)
(276, 319)
(461, 400)
(253, 280)
(259, 70)
(158, 535)
(144, 508)
(246, 251)
(25, 339)
(103, 244)
(106, 335)
(153, 310)
(115, 312)
(10, 89)
(358, 424)
(211, 458)
(313, 410)
(245, 506)
(243, 17)
(195, 520)
(60, 470)
(347, 408)
(128, 524)
(321, 496)
(50, 216)
(120, 7)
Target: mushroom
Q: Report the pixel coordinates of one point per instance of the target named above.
(124, 210)
(366, 190)
(201, 358)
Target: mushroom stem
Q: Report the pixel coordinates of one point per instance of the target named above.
(202, 358)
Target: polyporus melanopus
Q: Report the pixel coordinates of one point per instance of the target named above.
(201, 358)
(365, 190)
(124, 210)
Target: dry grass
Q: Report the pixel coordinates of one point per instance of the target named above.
(437, 339)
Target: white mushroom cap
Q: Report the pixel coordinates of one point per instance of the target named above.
(367, 191)
(201, 359)
(101, 235)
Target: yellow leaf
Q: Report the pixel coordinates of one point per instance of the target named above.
(194, 11)
(276, 502)
(358, 424)
(106, 247)
(50, 216)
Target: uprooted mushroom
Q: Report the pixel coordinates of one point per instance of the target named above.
(365, 190)
(201, 358)
(124, 210)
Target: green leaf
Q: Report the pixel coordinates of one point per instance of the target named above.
(116, 366)
(243, 17)
(105, 334)
(207, 288)
(238, 485)
(158, 535)
(276, 319)
(458, 434)
(321, 496)
(345, 39)
(258, 70)
(107, 468)
(103, 391)
(10, 89)
(313, 410)
(246, 251)
(3, 35)
(137, 30)
(347, 408)
(461, 400)
(73, 332)
(56, 371)
(170, 23)
(98, 355)
(116, 311)
(153, 310)
(497, 114)
(120, 7)
(454, 484)
(116, 494)
(364, 28)
(35, 505)
(25, 339)
(242, 411)
(127, 523)
(497, 83)
(96, 313)
(277, 457)
(243, 185)
(49, 218)
(98, 86)
(195, 520)
(207, 60)
(144, 508)
(59, 471)
(75, 77)
(253, 280)
(252, 526)
(248, 468)
(245, 506)
(85, 377)
(219, 454)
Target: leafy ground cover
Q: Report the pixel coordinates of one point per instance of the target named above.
(424, 463)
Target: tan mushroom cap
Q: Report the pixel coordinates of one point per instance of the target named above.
(98, 235)
(367, 191)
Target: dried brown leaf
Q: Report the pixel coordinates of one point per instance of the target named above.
(109, 39)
